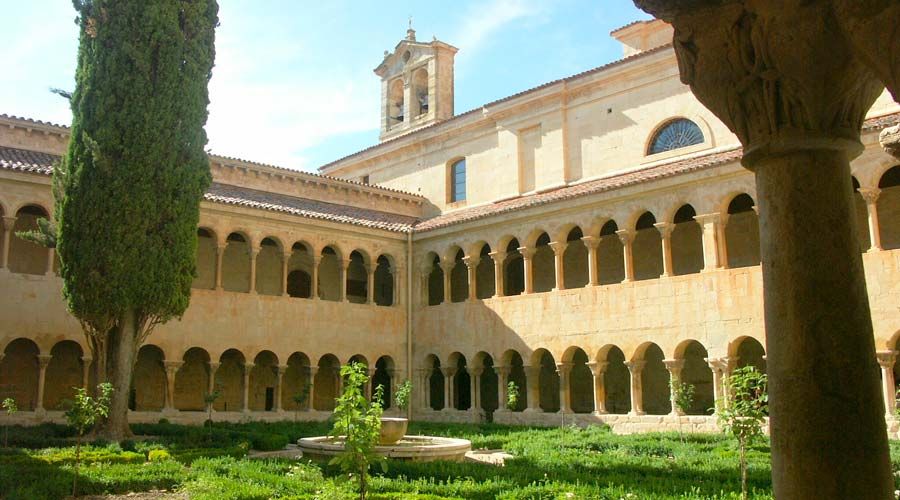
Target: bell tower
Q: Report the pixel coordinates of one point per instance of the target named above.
(416, 85)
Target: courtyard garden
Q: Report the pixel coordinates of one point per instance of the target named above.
(213, 463)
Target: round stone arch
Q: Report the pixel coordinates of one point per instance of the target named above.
(695, 371)
(229, 380)
(654, 378)
(149, 382)
(65, 372)
(580, 379)
(742, 244)
(748, 351)
(19, 370)
(461, 392)
(459, 275)
(488, 381)
(485, 281)
(435, 382)
(296, 383)
(383, 372)
(543, 361)
(646, 247)
(616, 379)
(26, 257)
(329, 272)
(326, 382)
(192, 380)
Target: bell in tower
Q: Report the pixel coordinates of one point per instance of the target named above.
(416, 85)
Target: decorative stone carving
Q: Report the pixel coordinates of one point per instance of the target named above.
(890, 140)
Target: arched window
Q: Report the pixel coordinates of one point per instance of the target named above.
(458, 180)
(676, 134)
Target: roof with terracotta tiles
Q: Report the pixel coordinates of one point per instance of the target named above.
(23, 160)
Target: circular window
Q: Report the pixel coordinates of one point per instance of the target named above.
(676, 134)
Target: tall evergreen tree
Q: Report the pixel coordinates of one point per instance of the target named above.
(129, 188)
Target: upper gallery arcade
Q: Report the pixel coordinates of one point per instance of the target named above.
(589, 238)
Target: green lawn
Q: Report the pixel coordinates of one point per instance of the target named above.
(549, 463)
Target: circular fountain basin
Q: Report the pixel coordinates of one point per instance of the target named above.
(412, 448)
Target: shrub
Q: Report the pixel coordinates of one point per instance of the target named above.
(158, 456)
(268, 442)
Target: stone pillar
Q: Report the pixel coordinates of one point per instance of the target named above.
(475, 389)
(345, 266)
(665, 232)
(211, 381)
(220, 253)
(870, 196)
(710, 225)
(627, 238)
(280, 370)
(245, 400)
(314, 286)
(559, 271)
(886, 360)
(498, 258)
(598, 370)
(171, 369)
(368, 389)
(43, 361)
(592, 243)
(285, 261)
(310, 398)
(425, 393)
(254, 253)
(471, 276)
(424, 278)
(527, 254)
(502, 384)
(370, 285)
(565, 390)
(533, 388)
(448, 372)
(9, 222)
(399, 288)
(797, 107)
(674, 366)
(85, 371)
(717, 365)
(51, 253)
(635, 368)
(447, 268)
(722, 240)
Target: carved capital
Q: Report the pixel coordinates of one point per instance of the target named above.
(498, 257)
(625, 236)
(665, 228)
(9, 222)
(558, 247)
(870, 195)
(526, 252)
(598, 367)
(471, 262)
(591, 242)
(886, 359)
(890, 140)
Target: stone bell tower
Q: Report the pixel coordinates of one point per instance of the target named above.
(416, 85)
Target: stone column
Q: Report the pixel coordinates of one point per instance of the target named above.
(626, 236)
(448, 372)
(399, 288)
(280, 370)
(665, 232)
(43, 361)
(533, 388)
(368, 389)
(674, 366)
(424, 278)
(886, 360)
(425, 393)
(211, 381)
(598, 370)
(793, 81)
(475, 389)
(285, 261)
(220, 253)
(870, 195)
(722, 240)
(592, 243)
(50, 258)
(245, 400)
(254, 253)
(710, 224)
(9, 222)
(471, 276)
(565, 390)
(447, 268)
(717, 365)
(498, 258)
(635, 368)
(527, 254)
(502, 383)
(85, 371)
(310, 398)
(559, 271)
(171, 369)
(314, 286)
(370, 285)
(345, 265)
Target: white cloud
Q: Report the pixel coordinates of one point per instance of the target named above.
(485, 19)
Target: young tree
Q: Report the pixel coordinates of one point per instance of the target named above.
(683, 396)
(512, 396)
(358, 422)
(209, 399)
(744, 412)
(129, 188)
(300, 399)
(402, 396)
(9, 404)
(83, 413)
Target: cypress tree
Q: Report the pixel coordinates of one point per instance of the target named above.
(129, 188)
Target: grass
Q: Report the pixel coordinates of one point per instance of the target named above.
(549, 464)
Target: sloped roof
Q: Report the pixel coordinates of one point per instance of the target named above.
(23, 160)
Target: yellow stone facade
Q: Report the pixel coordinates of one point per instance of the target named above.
(582, 263)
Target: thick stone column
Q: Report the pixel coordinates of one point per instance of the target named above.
(794, 80)
(886, 360)
(627, 238)
(85, 371)
(592, 243)
(527, 254)
(635, 369)
(498, 258)
(254, 253)
(285, 260)
(280, 370)
(370, 285)
(220, 253)
(171, 370)
(502, 383)
(559, 252)
(665, 232)
(43, 361)
(245, 400)
(314, 285)
(717, 366)
(710, 225)
(870, 196)
(310, 398)
(674, 366)
(471, 276)
(565, 390)
(598, 370)
(9, 222)
(448, 372)
(533, 388)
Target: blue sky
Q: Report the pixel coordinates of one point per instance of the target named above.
(293, 83)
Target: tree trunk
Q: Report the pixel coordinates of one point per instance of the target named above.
(121, 349)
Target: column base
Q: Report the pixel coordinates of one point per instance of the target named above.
(533, 410)
(633, 413)
(599, 413)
